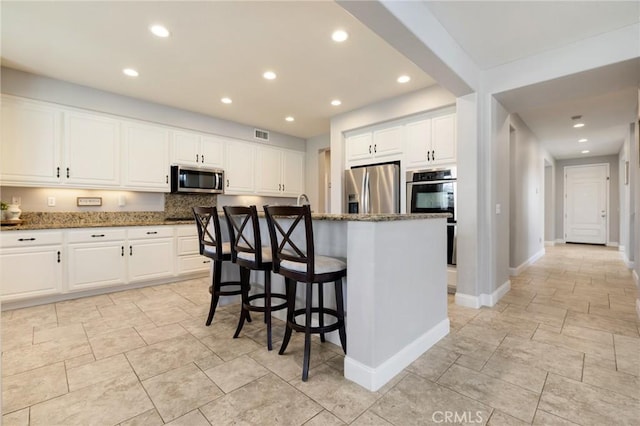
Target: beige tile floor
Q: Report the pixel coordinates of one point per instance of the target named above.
(562, 347)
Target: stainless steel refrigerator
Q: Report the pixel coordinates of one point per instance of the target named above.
(372, 189)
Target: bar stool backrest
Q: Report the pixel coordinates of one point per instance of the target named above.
(282, 222)
(210, 243)
(244, 232)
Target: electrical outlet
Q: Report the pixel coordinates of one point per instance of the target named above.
(51, 201)
(16, 200)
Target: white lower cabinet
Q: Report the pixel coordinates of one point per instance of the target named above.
(151, 257)
(188, 257)
(30, 264)
(96, 258)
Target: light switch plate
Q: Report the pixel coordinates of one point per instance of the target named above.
(498, 208)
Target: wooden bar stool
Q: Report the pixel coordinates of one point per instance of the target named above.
(297, 262)
(212, 246)
(247, 251)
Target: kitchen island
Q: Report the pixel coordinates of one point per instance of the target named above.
(396, 288)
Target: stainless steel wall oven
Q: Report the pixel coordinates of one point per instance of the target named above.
(434, 191)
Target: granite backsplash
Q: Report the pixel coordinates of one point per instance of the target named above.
(178, 206)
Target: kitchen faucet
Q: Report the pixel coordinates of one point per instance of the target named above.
(302, 196)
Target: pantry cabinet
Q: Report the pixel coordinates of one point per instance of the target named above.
(146, 157)
(30, 264)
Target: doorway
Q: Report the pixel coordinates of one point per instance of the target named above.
(586, 195)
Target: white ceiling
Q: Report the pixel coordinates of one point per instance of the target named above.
(217, 49)
(222, 48)
(499, 32)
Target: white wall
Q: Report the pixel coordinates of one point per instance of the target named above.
(431, 98)
(501, 196)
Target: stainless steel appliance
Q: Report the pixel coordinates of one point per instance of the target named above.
(434, 191)
(187, 179)
(372, 189)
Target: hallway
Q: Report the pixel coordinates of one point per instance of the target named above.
(562, 347)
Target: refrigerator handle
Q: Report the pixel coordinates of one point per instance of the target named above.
(367, 193)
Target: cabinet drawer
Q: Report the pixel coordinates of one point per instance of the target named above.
(187, 231)
(188, 245)
(150, 232)
(30, 238)
(93, 235)
(194, 263)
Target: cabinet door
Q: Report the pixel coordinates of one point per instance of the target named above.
(30, 272)
(239, 168)
(146, 157)
(31, 143)
(186, 148)
(292, 173)
(268, 171)
(444, 139)
(150, 259)
(212, 152)
(92, 146)
(417, 143)
(387, 141)
(94, 265)
(359, 147)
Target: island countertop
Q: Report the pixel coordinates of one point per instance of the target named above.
(38, 221)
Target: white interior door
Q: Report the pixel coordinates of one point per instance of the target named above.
(586, 203)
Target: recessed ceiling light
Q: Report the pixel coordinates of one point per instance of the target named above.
(582, 140)
(578, 125)
(159, 31)
(586, 151)
(404, 79)
(130, 72)
(339, 36)
(226, 100)
(269, 75)
(290, 118)
(336, 102)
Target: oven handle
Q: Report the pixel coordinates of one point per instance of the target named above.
(432, 182)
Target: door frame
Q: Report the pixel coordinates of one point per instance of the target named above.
(606, 191)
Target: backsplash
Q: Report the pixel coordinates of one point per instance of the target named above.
(179, 205)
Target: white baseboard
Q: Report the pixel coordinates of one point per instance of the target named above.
(612, 244)
(518, 270)
(560, 241)
(373, 378)
(636, 278)
(549, 243)
(483, 299)
(638, 307)
(621, 248)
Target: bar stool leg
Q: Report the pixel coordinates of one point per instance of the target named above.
(307, 333)
(244, 312)
(340, 309)
(215, 289)
(321, 309)
(291, 307)
(267, 306)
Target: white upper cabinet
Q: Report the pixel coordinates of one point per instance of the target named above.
(239, 167)
(280, 172)
(146, 157)
(92, 150)
(430, 141)
(383, 144)
(196, 149)
(31, 143)
(443, 139)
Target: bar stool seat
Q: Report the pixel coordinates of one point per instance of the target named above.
(212, 246)
(297, 265)
(248, 252)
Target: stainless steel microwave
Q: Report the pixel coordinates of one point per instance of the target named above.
(187, 179)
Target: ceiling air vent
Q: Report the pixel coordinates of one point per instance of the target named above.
(261, 134)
